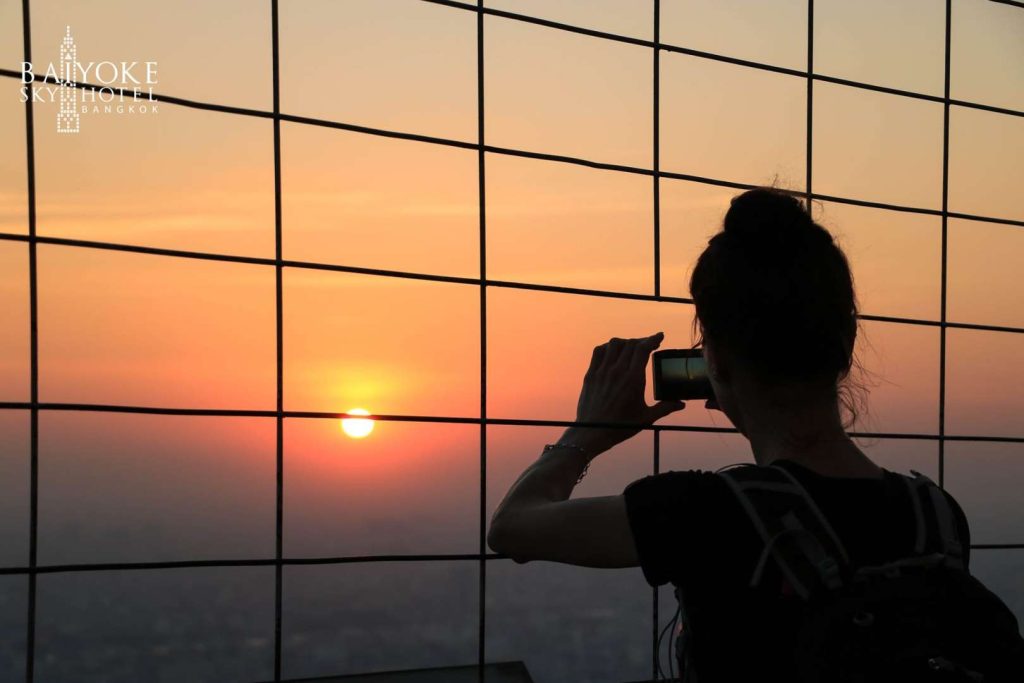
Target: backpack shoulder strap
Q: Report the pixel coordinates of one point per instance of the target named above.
(794, 530)
(935, 521)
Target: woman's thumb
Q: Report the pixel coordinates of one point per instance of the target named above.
(663, 408)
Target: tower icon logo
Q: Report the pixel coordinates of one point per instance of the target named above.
(67, 116)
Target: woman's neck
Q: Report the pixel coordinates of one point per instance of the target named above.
(813, 437)
(838, 457)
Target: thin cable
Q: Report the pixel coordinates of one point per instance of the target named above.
(656, 148)
(509, 284)
(452, 419)
(33, 288)
(279, 345)
(809, 196)
(654, 624)
(482, 210)
(656, 165)
(945, 226)
(302, 561)
(178, 253)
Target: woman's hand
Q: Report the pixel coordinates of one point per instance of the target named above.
(613, 391)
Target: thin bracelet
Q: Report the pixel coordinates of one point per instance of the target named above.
(581, 449)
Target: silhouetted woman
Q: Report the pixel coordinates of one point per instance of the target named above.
(777, 317)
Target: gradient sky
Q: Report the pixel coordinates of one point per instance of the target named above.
(119, 328)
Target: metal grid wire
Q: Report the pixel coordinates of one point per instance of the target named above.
(279, 561)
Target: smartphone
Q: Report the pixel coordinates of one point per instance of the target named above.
(680, 374)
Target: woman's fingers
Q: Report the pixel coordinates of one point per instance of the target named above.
(613, 350)
(642, 349)
(632, 371)
(596, 359)
(625, 354)
(623, 358)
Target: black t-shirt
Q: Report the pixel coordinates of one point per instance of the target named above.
(690, 530)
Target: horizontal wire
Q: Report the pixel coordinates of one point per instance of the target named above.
(540, 156)
(538, 21)
(302, 562)
(937, 323)
(914, 209)
(1014, 3)
(386, 417)
(256, 562)
(507, 284)
(713, 56)
(157, 97)
(309, 265)
(883, 205)
(883, 89)
(984, 219)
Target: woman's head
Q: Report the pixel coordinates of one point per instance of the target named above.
(774, 295)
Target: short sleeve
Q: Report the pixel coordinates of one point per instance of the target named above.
(962, 527)
(664, 516)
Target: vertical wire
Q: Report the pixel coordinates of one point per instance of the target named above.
(279, 333)
(657, 652)
(656, 166)
(482, 190)
(810, 104)
(30, 634)
(656, 155)
(945, 222)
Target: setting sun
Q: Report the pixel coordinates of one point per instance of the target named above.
(357, 427)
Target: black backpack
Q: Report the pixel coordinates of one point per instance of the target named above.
(919, 618)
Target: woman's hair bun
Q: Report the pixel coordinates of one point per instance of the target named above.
(769, 219)
(775, 290)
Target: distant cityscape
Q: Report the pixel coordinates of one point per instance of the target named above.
(216, 625)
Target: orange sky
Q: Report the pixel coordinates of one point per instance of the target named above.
(118, 328)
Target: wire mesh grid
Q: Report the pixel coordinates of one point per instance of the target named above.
(34, 406)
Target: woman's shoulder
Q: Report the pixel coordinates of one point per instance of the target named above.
(674, 482)
(677, 494)
(679, 521)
